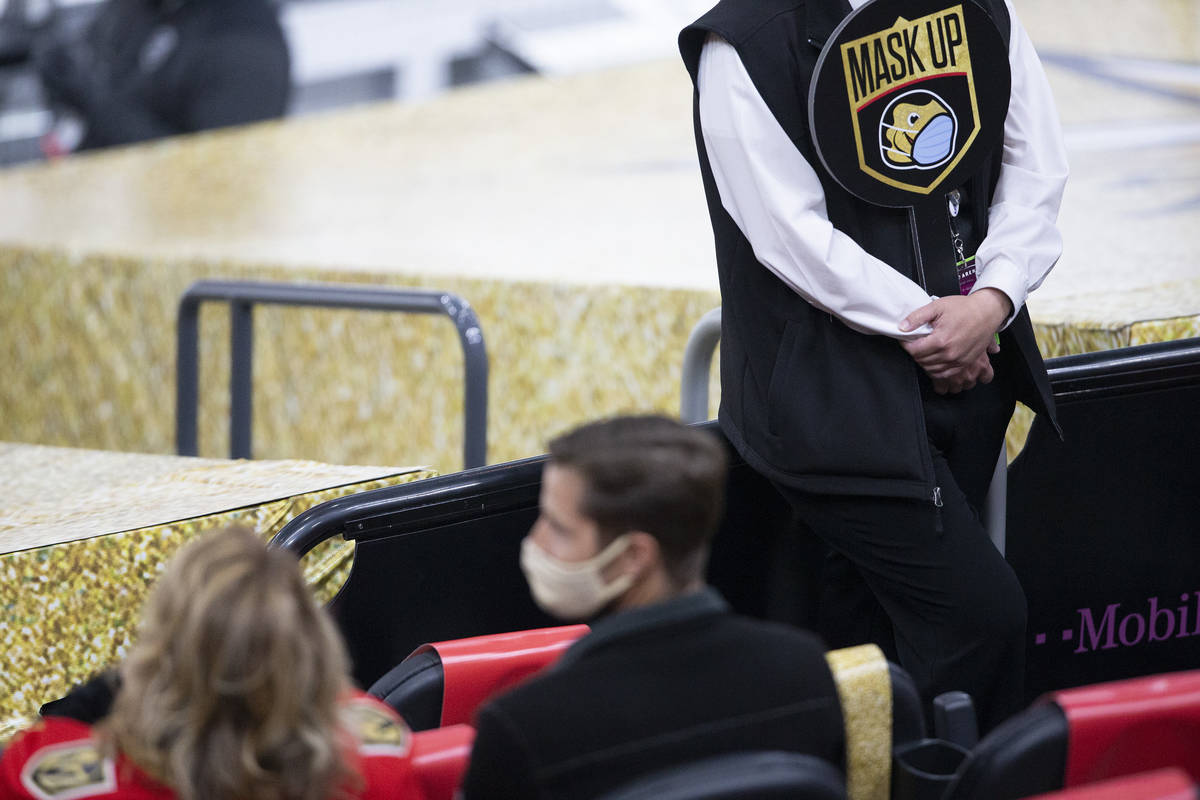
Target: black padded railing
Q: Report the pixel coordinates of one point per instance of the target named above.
(417, 507)
(1130, 370)
(242, 296)
(400, 509)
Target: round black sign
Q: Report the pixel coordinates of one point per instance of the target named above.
(909, 96)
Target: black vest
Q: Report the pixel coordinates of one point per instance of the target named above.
(805, 399)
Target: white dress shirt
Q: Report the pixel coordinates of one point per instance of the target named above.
(775, 198)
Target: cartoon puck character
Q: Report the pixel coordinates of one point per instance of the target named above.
(917, 131)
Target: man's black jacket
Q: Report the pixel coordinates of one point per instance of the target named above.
(651, 688)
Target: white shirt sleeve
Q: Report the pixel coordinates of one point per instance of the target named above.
(776, 200)
(1023, 242)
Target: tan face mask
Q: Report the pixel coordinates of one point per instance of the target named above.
(572, 590)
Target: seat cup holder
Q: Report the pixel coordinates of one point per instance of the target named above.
(924, 769)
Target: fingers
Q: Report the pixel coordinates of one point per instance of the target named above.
(952, 385)
(960, 332)
(924, 314)
(916, 346)
(932, 350)
(940, 361)
(936, 353)
(956, 379)
(956, 354)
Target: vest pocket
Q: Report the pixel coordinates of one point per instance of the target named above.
(780, 385)
(840, 403)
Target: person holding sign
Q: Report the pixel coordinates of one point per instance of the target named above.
(883, 180)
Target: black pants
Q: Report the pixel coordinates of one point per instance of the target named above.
(927, 584)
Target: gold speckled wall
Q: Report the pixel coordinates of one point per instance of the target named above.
(70, 609)
(93, 357)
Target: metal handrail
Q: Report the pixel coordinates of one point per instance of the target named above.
(697, 362)
(242, 296)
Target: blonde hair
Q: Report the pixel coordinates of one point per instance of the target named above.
(231, 689)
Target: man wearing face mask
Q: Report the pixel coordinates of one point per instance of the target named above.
(668, 674)
(877, 409)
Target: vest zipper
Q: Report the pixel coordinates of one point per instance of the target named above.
(912, 227)
(937, 509)
(927, 456)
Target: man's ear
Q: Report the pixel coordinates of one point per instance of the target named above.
(643, 555)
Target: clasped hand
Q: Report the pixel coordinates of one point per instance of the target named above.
(955, 354)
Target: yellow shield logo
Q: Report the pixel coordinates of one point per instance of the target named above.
(912, 99)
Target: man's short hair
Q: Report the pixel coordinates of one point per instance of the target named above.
(651, 474)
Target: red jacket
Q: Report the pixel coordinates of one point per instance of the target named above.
(59, 759)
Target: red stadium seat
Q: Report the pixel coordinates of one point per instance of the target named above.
(439, 759)
(1163, 784)
(1131, 726)
(444, 683)
(1079, 736)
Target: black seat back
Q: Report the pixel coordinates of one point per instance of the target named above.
(908, 715)
(741, 776)
(1026, 755)
(414, 688)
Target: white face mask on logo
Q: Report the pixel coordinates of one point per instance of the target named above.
(572, 590)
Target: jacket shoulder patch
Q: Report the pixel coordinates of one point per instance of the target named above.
(378, 729)
(68, 771)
